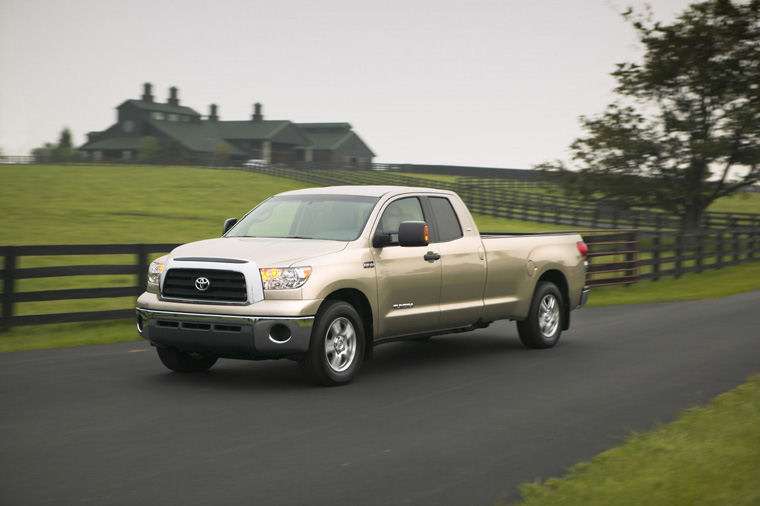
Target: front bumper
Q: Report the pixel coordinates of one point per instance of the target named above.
(584, 296)
(231, 336)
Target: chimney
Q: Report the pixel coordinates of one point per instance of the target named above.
(147, 95)
(212, 116)
(173, 100)
(257, 116)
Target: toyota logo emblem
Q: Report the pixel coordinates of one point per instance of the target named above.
(202, 284)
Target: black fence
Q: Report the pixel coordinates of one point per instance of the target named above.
(12, 272)
(675, 253)
(606, 244)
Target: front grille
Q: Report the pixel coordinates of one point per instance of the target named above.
(223, 286)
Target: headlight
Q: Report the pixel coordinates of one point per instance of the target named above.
(277, 278)
(154, 275)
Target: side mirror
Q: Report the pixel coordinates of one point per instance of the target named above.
(228, 224)
(413, 233)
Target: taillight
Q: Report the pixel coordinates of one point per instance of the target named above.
(582, 248)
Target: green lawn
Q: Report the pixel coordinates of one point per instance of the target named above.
(737, 203)
(84, 204)
(710, 455)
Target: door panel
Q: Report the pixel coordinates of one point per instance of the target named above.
(463, 280)
(411, 284)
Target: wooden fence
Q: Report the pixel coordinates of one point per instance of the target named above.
(602, 245)
(12, 272)
(676, 253)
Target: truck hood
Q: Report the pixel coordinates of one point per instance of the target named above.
(266, 252)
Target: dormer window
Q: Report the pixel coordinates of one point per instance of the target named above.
(128, 125)
(173, 117)
(186, 119)
(157, 115)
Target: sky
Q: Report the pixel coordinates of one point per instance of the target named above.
(498, 83)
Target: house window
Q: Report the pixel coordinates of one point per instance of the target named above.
(128, 125)
(126, 155)
(186, 119)
(97, 155)
(173, 117)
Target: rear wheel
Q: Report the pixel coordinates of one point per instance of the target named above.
(543, 326)
(180, 361)
(337, 345)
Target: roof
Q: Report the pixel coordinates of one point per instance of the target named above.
(260, 130)
(203, 136)
(329, 140)
(336, 126)
(159, 107)
(113, 143)
(364, 191)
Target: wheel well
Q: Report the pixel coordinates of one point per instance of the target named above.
(556, 277)
(362, 306)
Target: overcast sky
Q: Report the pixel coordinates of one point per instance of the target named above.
(485, 83)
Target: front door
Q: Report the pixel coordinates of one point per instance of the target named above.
(409, 287)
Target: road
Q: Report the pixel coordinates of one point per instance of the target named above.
(459, 419)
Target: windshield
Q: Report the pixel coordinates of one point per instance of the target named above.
(331, 217)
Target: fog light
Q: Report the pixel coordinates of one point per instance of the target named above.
(279, 333)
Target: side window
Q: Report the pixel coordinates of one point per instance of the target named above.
(446, 219)
(406, 209)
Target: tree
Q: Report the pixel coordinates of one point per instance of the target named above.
(64, 152)
(686, 128)
(148, 149)
(44, 153)
(221, 153)
(175, 153)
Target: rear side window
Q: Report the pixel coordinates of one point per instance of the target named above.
(446, 219)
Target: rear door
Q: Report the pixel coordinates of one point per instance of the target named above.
(463, 265)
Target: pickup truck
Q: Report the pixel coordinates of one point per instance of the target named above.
(322, 275)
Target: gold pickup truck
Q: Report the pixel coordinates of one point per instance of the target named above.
(323, 275)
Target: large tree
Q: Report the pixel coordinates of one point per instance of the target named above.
(686, 128)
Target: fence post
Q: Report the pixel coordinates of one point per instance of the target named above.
(719, 252)
(630, 258)
(9, 282)
(679, 254)
(142, 268)
(700, 238)
(736, 235)
(656, 238)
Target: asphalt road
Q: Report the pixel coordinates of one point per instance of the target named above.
(460, 419)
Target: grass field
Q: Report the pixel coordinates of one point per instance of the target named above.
(708, 456)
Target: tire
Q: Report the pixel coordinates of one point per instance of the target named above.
(180, 361)
(543, 326)
(336, 350)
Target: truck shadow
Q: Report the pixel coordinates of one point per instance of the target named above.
(409, 359)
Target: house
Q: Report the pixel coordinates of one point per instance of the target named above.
(205, 139)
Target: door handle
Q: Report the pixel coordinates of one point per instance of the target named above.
(431, 257)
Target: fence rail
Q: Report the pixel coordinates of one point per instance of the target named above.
(11, 272)
(616, 257)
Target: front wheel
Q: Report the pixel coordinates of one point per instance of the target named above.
(543, 326)
(337, 345)
(180, 361)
